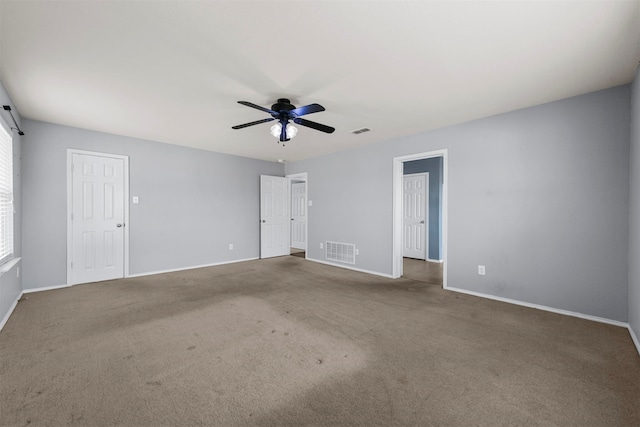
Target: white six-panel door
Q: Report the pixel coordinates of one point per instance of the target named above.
(274, 216)
(299, 215)
(415, 221)
(97, 218)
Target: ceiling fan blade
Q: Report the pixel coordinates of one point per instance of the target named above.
(252, 105)
(314, 125)
(257, 122)
(307, 109)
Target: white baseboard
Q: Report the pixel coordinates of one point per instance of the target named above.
(634, 337)
(5, 319)
(48, 288)
(151, 273)
(375, 273)
(440, 261)
(541, 307)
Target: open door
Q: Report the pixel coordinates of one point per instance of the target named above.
(415, 215)
(274, 216)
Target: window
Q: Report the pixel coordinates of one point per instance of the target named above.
(6, 195)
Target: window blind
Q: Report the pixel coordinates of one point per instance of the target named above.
(6, 196)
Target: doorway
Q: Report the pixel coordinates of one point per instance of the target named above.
(433, 270)
(283, 215)
(299, 214)
(97, 216)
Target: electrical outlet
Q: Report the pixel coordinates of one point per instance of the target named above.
(321, 245)
(357, 251)
(230, 246)
(481, 270)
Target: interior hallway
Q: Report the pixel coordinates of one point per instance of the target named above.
(422, 271)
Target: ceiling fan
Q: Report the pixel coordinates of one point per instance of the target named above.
(283, 111)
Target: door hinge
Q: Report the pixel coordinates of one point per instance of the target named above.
(72, 265)
(72, 217)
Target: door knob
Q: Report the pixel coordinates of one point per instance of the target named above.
(119, 225)
(264, 220)
(422, 222)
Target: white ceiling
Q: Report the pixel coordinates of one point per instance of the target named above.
(172, 71)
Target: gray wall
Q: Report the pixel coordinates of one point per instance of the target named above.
(10, 283)
(193, 203)
(433, 166)
(539, 196)
(634, 211)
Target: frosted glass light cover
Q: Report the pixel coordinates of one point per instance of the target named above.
(276, 129)
(291, 131)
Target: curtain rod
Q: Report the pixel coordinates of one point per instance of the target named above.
(8, 108)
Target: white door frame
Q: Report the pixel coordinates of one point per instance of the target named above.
(303, 176)
(70, 153)
(426, 210)
(398, 169)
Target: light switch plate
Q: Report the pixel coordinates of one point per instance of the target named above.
(135, 200)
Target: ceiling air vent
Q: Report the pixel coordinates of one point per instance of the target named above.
(361, 130)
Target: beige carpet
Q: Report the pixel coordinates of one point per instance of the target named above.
(298, 252)
(422, 271)
(291, 342)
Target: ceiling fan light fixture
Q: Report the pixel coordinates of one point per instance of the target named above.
(283, 112)
(276, 129)
(291, 131)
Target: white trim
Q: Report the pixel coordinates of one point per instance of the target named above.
(360, 270)
(634, 338)
(172, 270)
(5, 319)
(542, 307)
(439, 261)
(4, 268)
(302, 176)
(150, 273)
(70, 153)
(47, 288)
(397, 209)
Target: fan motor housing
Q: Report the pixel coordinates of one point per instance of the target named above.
(283, 104)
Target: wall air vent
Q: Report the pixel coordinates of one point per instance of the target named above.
(361, 130)
(343, 252)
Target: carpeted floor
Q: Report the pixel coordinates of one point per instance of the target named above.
(422, 271)
(298, 252)
(290, 342)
